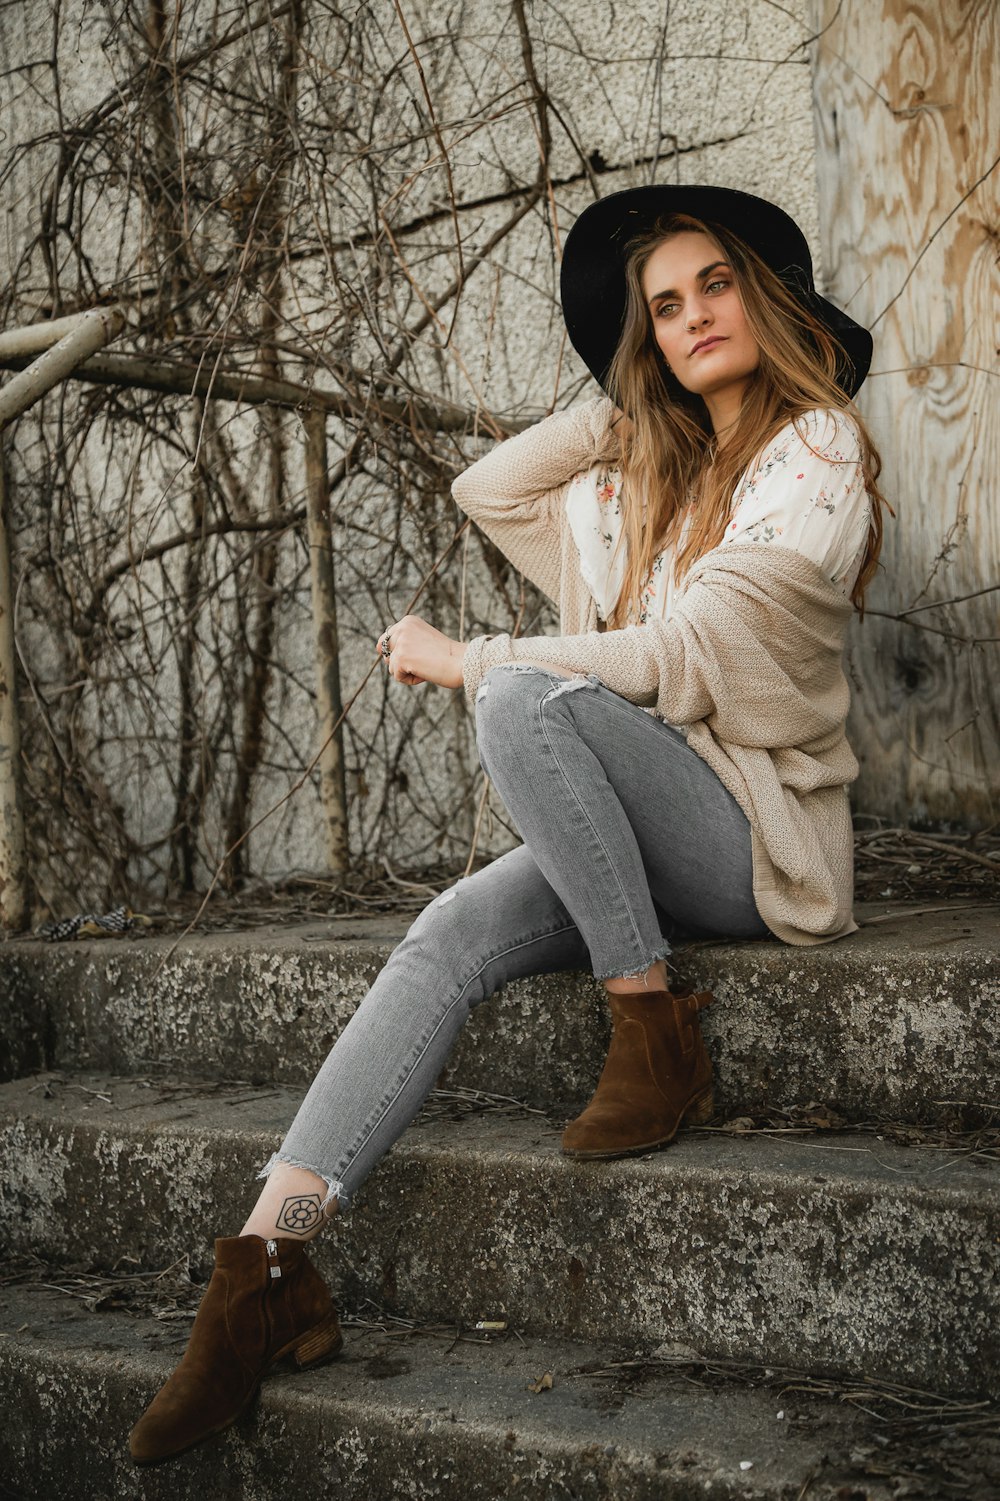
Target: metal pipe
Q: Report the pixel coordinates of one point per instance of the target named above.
(33, 338)
(90, 332)
(66, 342)
(13, 858)
(332, 787)
(180, 378)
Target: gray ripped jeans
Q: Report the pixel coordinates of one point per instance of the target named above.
(629, 838)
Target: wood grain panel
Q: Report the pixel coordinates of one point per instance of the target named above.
(907, 112)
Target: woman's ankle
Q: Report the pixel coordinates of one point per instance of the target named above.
(293, 1203)
(652, 979)
(309, 1222)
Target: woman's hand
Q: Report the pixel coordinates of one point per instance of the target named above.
(421, 654)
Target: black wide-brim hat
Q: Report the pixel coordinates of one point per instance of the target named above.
(592, 281)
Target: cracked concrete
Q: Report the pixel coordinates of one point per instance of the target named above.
(899, 1021)
(847, 1254)
(452, 1419)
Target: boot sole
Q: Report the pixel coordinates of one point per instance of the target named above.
(314, 1348)
(697, 1113)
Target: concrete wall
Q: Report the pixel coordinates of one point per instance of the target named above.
(701, 92)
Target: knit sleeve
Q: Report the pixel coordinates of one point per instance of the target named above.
(515, 493)
(732, 647)
(621, 659)
(646, 664)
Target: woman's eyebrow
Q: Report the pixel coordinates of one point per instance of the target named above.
(700, 277)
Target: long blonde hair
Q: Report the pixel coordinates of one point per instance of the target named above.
(669, 455)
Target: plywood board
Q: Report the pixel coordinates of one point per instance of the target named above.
(907, 111)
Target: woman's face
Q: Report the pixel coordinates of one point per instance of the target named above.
(698, 319)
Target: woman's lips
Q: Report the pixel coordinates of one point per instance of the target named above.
(708, 344)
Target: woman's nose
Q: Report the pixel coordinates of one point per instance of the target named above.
(697, 316)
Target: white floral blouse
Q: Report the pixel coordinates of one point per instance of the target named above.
(805, 489)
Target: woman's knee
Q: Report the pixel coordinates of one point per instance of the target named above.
(507, 682)
(448, 946)
(510, 695)
(471, 920)
(453, 924)
(506, 696)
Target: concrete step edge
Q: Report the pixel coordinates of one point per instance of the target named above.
(840, 1257)
(861, 1025)
(179, 1107)
(430, 1417)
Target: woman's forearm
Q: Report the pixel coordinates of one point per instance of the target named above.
(622, 659)
(515, 493)
(541, 459)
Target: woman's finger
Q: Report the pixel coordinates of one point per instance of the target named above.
(389, 635)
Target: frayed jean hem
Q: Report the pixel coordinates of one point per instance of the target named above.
(335, 1189)
(663, 951)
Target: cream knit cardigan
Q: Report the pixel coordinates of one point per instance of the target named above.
(748, 666)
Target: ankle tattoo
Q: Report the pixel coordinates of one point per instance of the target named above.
(299, 1214)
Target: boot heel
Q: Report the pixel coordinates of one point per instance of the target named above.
(700, 1110)
(321, 1343)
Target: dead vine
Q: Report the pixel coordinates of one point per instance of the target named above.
(333, 197)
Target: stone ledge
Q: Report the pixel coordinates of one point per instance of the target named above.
(898, 1021)
(431, 1417)
(848, 1255)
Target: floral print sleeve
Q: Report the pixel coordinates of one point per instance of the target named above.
(594, 514)
(806, 491)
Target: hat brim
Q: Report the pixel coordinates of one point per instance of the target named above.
(592, 279)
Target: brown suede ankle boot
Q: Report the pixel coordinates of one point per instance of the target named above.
(657, 1074)
(265, 1302)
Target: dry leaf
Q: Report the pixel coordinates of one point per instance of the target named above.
(543, 1384)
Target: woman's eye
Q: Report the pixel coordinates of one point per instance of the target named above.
(666, 307)
(713, 284)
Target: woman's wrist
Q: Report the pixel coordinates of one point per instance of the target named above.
(456, 652)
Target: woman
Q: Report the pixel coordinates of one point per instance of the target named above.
(675, 762)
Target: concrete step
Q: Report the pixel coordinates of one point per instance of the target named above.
(452, 1415)
(900, 1021)
(839, 1252)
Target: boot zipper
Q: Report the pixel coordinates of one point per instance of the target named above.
(272, 1258)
